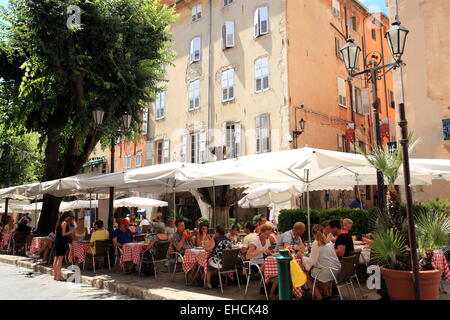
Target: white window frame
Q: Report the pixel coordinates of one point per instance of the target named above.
(336, 7)
(195, 50)
(157, 143)
(262, 74)
(261, 15)
(166, 151)
(353, 26)
(228, 35)
(196, 12)
(227, 3)
(357, 100)
(160, 104)
(194, 143)
(183, 148)
(342, 93)
(127, 162)
(228, 90)
(263, 143)
(338, 44)
(149, 153)
(194, 95)
(138, 160)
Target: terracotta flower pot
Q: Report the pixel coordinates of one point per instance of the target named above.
(400, 284)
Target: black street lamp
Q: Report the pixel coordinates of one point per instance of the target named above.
(297, 133)
(98, 114)
(396, 38)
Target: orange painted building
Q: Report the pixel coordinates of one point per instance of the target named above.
(317, 74)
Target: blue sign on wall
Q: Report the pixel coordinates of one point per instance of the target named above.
(446, 128)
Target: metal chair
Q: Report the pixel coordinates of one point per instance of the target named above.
(228, 264)
(158, 254)
(20, 242)
(117, 254)
(248, 271)
(171, 252)
(348, 267)
(357, 255)
(101, 251)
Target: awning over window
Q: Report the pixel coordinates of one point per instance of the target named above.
(94, 162)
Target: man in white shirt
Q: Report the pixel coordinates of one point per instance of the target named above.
(249, 229)
(144, 221)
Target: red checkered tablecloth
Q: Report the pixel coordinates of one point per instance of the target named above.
(440, 262)
(191, 256)
(132, 252)
(271, 270)
(5, 239)
(78, 250)
(36, 244)
(133, 229)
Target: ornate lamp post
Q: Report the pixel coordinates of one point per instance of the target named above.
(396, 38)
(98, 114)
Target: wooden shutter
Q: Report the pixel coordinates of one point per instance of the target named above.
(183, 148)
(166, 154)
(365, 100)
(264, 20)
(256, 23)
(229, 34)
(258, 134)
(149, 153)
(265, 133)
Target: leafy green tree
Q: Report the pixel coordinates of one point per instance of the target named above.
(22, 161)
(52, 76)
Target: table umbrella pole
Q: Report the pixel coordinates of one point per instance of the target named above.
(174, 205)
(308, 209)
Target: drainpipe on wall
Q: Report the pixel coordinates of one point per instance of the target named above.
(210, 85)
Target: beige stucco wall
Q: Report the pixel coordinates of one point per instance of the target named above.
(247, 104)
(426, 80)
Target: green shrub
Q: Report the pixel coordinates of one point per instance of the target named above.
(360, 218)
(288, 218)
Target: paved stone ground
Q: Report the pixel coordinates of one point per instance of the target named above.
(16, 285)
(164, 287)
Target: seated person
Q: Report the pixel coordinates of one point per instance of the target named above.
(346, 225)
(202, 236)
(249, 229)
(24, 228)
(46, 247)
(326, 230)
(259, 248)
(322, 255)
(181, 240)
(292, 238)
(262, 220)
(344, 242)
(80, 231)
(159, 235)
(99, 234)
(233, 235)
(123, 234)
(170, 228)
(220, 243)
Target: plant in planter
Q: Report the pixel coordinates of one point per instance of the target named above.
(390, 245)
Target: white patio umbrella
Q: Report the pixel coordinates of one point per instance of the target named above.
(139, 202)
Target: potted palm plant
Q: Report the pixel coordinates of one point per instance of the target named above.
(390, 245)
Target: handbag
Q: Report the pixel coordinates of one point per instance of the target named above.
(298, 277)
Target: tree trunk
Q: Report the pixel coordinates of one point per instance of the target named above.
(49, 215)
(393, 204)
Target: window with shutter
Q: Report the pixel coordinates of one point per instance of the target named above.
(194, 95)
(261, 21)
(138, 160)
(365, 98)
(358, 107)
(195, 148)
(227, 2)
(227, 85)
(160, 105)
(336, 9)
(228, 34)
(342, 93)
(353, 24)
(195, 49)
(159, 152)
(196, 12)
(338, 45)
(258, 134)
(262, 75)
